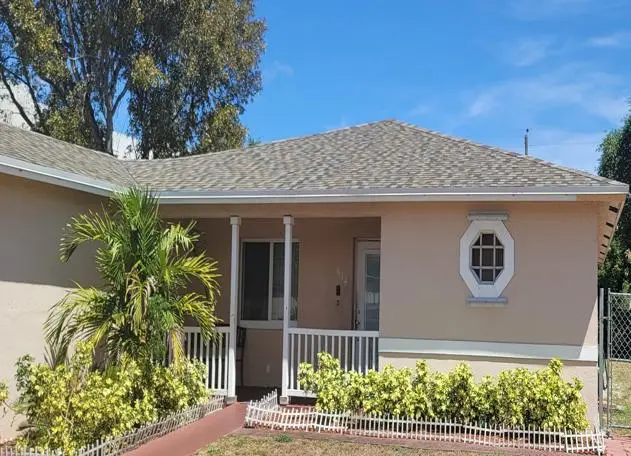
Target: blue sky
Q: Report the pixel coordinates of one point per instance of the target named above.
(482, 69)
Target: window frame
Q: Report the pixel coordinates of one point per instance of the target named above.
(269, 323)
(486, 224)
(495, 269)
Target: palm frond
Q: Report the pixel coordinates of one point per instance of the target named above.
(147, 268)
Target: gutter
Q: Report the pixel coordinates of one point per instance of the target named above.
(16, 167)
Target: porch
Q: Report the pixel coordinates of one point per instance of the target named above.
(291, 288)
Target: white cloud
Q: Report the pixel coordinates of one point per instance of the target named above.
(613, 40)
(569, 148)
(483, 104)
(596, 93)
(533, 10)
(277, 69)
(527, 51)
(421, 109)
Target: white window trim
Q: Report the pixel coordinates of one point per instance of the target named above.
(269, 323)
(477, 226)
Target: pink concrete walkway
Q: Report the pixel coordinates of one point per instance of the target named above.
(197, 435)
(619, 446)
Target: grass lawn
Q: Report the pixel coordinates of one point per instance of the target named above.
(286, 445)
(621, 393)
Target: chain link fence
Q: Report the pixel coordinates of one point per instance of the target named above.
(617, 349)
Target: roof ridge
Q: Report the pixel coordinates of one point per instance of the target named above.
(276, 141)
(530, 158)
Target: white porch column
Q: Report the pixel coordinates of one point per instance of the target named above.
(235, 223)
(288, 221)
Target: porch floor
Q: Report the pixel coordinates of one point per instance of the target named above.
(254, 393)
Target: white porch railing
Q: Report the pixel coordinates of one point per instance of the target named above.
(213, 354)
(356, 350)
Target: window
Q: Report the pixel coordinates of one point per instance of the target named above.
(487, 257)
(263, 281)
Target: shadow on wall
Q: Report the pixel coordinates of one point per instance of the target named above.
(33, 215)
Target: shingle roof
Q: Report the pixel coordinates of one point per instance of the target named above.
(46, 151)
(381, 155)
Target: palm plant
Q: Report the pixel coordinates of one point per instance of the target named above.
(147, 268)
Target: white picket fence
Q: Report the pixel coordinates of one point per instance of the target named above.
(356, 350)
(213, 354)
(116, 446)
(267, 413)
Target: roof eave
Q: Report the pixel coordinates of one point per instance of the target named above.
(54, 176)
(9, 165)
(389, 195)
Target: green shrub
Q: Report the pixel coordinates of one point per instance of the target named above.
(517, 397)
(4, 393)
(72, 405)
(178, 386)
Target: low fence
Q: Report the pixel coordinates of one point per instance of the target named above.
(116, 446)
(214, 354)
(266, 413)
(356, 350)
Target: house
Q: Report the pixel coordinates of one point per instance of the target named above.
(380, 243)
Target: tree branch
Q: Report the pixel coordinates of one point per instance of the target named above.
(15, 101)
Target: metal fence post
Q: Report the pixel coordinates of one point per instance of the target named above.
(601, 355)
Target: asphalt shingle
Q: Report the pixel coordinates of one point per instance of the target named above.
(381, 155)
(46, 151)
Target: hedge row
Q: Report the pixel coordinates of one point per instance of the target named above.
(516, 397)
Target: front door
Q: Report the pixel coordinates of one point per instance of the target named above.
(368, 272)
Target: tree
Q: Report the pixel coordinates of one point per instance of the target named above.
(147, 268)
(615, 163)
(185, 69)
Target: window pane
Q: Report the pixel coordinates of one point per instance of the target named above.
(278, 282)
(499, 257)
(477, 241)
(475, 257)
(255, 280)
(487, 275)
(487, 238)
(487, 257)
(476, 271)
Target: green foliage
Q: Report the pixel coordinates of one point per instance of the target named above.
(146, 267)
(615, 163)
(4, 392)
(188, 68)
(178, 386)
(517, 397)
(283, 438)
(71, 405)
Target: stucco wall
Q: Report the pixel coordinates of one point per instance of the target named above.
(327, 248)
(32, 278)
(551, 297)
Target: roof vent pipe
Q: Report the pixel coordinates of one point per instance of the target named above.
(526, 141)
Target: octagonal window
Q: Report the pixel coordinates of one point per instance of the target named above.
(487, 258)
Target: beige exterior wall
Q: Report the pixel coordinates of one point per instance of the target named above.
(551, 297)
(327, 247)
(482, 366)
(32, 278)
